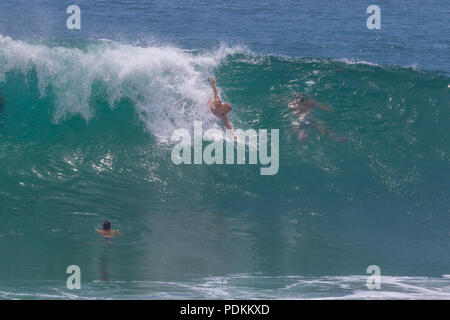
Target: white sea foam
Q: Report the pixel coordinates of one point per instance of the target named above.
(243, 286)
(356, 61)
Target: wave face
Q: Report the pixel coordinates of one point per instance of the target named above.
(84, 137)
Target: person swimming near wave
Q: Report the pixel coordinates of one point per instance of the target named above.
(218, 108)
(301, 106)
(107, 232)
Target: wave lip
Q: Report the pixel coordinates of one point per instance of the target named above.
(167, 85)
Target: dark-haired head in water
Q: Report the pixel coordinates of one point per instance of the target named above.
(107, 232)
(106, 226)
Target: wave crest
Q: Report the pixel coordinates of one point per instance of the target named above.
(168, 86)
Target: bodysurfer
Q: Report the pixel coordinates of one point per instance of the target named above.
(218, 108)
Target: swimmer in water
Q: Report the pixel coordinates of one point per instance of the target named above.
(302, 106)
(218, 108)
(107, 232)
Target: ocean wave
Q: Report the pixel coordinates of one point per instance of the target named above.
(168, 86)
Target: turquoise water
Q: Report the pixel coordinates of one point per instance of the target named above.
(85, 136)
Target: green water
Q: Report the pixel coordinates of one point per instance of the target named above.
(84, 137)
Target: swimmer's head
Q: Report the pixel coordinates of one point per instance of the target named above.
(106, 225)
(227, 104)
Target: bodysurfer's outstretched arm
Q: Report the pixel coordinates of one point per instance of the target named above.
(213, 83)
